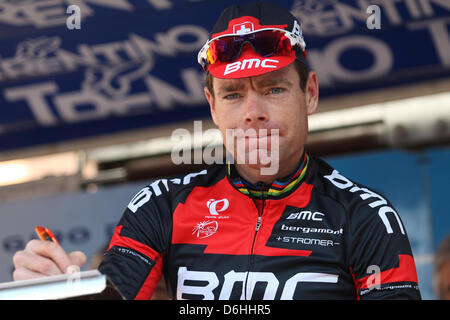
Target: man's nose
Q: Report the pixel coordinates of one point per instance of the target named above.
(255, 110)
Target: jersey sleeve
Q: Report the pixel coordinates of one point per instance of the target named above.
(380, 256)
(133, 260)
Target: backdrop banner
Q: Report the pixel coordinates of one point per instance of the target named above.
(132, 64)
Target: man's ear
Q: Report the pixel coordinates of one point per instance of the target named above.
(210, 97)
(312, 93)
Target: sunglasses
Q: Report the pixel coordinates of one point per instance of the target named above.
(266, 42)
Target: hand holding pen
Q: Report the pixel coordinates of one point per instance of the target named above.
(45, 257)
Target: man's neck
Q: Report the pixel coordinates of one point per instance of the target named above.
(253, 173)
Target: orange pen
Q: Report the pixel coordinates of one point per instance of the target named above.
(45, 234)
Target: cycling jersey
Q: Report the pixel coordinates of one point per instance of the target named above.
(312, 235)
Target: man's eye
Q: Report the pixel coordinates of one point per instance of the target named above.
(276, 90)
(231, 96)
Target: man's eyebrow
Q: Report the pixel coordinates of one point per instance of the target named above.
(269, 82)
(230, 87)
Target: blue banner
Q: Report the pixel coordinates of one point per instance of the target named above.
(132, 64)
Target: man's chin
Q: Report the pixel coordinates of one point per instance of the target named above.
(267, 162)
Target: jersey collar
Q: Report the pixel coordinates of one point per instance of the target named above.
(279, 188)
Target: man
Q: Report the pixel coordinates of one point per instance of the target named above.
(237, 231)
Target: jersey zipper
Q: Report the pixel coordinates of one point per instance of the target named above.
(257, 227)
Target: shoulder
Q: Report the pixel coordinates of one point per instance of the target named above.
(175, 188)
(334, 184)
(359, 200)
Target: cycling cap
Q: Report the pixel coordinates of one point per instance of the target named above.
(250, 40)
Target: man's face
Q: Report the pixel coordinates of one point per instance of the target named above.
(272, 101)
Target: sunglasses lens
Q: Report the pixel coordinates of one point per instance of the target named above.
(268, 43)
(265, 43)
(228, 48)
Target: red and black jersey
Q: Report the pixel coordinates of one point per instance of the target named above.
(313, 235)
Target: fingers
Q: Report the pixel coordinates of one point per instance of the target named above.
(30, 264)
(24, 274)
(78, 258)
(41, 257)
(45, 258)
(50, 250)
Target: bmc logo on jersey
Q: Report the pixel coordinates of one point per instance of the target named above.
(306, 215)
(202, 283)
(216, 206)
(250, 64)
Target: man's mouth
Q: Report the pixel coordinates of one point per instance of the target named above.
(261, 139)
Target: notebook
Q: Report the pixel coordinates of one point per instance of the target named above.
(89, 285)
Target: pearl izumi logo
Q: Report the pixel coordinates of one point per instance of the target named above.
(216, 206)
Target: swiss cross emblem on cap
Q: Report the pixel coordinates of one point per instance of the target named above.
(242, 28)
